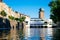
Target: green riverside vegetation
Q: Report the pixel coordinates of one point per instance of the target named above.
(21, 19)
(55, 10)
(11, 17)
(3, 13)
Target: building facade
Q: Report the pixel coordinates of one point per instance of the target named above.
(12, 24)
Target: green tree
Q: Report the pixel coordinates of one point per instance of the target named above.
(22, 19)
(55, 16)
(11, 17)
(17, 19)
(20, 32)
(55, 10)
(3, 13)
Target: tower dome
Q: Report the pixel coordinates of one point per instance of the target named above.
(41, 9)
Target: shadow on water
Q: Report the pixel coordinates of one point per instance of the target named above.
(4, 28)
(56, 34)
(20, 33)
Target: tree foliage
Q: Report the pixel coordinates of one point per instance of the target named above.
(11, 17)
(55, 10)
(16, 19)
(3, 13)
(21, 19)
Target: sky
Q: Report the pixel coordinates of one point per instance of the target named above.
(30, 7)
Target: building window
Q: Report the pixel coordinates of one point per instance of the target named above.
(26, 22)
(45, 23)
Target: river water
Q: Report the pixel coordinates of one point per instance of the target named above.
(40, 34)
(44, 34)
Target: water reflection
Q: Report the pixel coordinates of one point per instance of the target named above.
(44, 34)
(56, 34)
(38, 34)
(49, 34)
(4, 28)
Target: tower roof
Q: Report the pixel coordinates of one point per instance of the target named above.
(41, 9)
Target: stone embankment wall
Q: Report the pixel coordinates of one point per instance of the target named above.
(12, 25)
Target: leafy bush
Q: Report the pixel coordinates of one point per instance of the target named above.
(3, 13)
(16, 19)
(21, 19)
(11, 17)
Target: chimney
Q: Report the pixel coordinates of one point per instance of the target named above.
(41, 13)
(0, 0)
